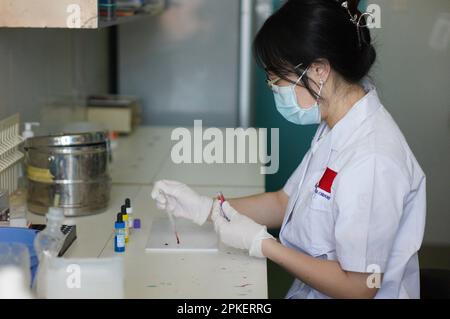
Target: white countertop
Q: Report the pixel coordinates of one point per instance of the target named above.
(140, 160)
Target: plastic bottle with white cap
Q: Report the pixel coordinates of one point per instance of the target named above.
(50, 240)
(47, 244)
(28, 132)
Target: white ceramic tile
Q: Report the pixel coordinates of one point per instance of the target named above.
(212, 174)
(139, 156)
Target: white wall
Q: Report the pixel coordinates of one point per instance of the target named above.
(184, 63)
(413, 79)
(39, 64)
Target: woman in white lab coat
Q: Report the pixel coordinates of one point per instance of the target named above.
(352, 215)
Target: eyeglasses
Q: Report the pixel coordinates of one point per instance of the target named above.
(271, 83)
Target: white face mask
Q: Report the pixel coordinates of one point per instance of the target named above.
(287, 104)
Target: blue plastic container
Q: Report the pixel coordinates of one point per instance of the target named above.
(24, 236)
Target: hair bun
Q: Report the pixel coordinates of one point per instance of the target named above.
(366, 59)
(308, 30)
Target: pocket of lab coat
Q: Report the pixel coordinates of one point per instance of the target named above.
(321, 225)
(320, 203)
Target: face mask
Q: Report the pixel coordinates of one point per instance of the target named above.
(287, 105)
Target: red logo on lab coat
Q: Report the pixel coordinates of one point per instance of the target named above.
(327, 180)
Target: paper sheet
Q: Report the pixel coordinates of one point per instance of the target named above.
(193, 238)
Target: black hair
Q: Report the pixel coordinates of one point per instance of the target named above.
(305, 31)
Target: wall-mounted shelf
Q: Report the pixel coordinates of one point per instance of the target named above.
(71, 14)
(121, 20)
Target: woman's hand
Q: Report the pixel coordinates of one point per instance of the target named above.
(240, 231)
(181, 201)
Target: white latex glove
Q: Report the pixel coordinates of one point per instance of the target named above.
(181, 201)
(240, 232)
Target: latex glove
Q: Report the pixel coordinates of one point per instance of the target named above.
(181, 201)
(241, 231)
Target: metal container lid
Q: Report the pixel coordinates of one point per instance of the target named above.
(66, 139)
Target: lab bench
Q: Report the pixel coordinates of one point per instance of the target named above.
(139, 160)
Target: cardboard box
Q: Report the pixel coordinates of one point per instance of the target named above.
(116, 113)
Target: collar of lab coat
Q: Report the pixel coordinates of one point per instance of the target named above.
(363, 109)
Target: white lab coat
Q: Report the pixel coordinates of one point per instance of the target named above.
(358, 197)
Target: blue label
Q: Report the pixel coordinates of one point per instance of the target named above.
(322, 193)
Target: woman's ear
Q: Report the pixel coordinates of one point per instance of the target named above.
(319, 71)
